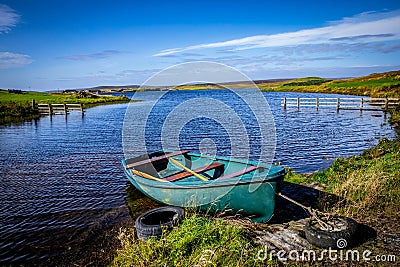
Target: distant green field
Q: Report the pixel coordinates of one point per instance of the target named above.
(388, 82)
(5, 96)
(39, 97)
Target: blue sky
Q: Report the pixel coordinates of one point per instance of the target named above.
(50, 45)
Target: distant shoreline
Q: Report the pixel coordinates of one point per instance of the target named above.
(385, 84)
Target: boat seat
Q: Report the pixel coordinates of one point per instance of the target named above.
(219, 169)
(155, 159)
(239, 173)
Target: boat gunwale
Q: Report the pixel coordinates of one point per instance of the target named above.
(234, 181)
(233, 159)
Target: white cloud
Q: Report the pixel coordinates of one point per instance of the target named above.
(265, 72)
(12, 60)
(8, 18)
(363, 28)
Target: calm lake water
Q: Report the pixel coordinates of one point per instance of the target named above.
(62, 180)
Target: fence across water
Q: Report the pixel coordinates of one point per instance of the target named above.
(353, 103)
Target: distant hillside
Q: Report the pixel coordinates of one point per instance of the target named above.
(195, 86)
(114, 88)
(375, 85)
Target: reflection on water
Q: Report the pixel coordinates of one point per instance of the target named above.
(62, 182)
(137, 202)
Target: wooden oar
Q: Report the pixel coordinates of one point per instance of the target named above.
(188, 170)
(148, 176)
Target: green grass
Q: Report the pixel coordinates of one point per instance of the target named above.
(198, 241)
(310, 81)
(386, 82)
(6, 97)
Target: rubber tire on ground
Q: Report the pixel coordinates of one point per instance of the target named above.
(330, 239)
(156, 221)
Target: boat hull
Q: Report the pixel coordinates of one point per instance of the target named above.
(249, 195)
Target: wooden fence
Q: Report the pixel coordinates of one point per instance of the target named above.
(342, 103)
(53, 109)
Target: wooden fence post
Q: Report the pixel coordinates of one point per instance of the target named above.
(82, 111)
(386, 104)
(316, 102)
(284, 103)
(298, 103)
(361, 103)
(338, 104)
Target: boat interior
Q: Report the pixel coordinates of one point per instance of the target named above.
(179, 165)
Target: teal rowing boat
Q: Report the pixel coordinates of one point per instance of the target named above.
(210, 184)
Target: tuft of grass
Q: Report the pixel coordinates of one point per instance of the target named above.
(198, 241)
(295, 178)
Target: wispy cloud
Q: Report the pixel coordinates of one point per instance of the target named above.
(8, 18)
(93, 56)
(183, 55)
(142, 73)
(364, 36)
(363, 28)
(275, 60)
(389, 48)
(265, 72)
(13, 60)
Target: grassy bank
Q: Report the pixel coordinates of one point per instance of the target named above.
(15, 107)
(13, 112)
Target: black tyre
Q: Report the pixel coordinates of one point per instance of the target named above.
(343, 236)
(156, 221)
